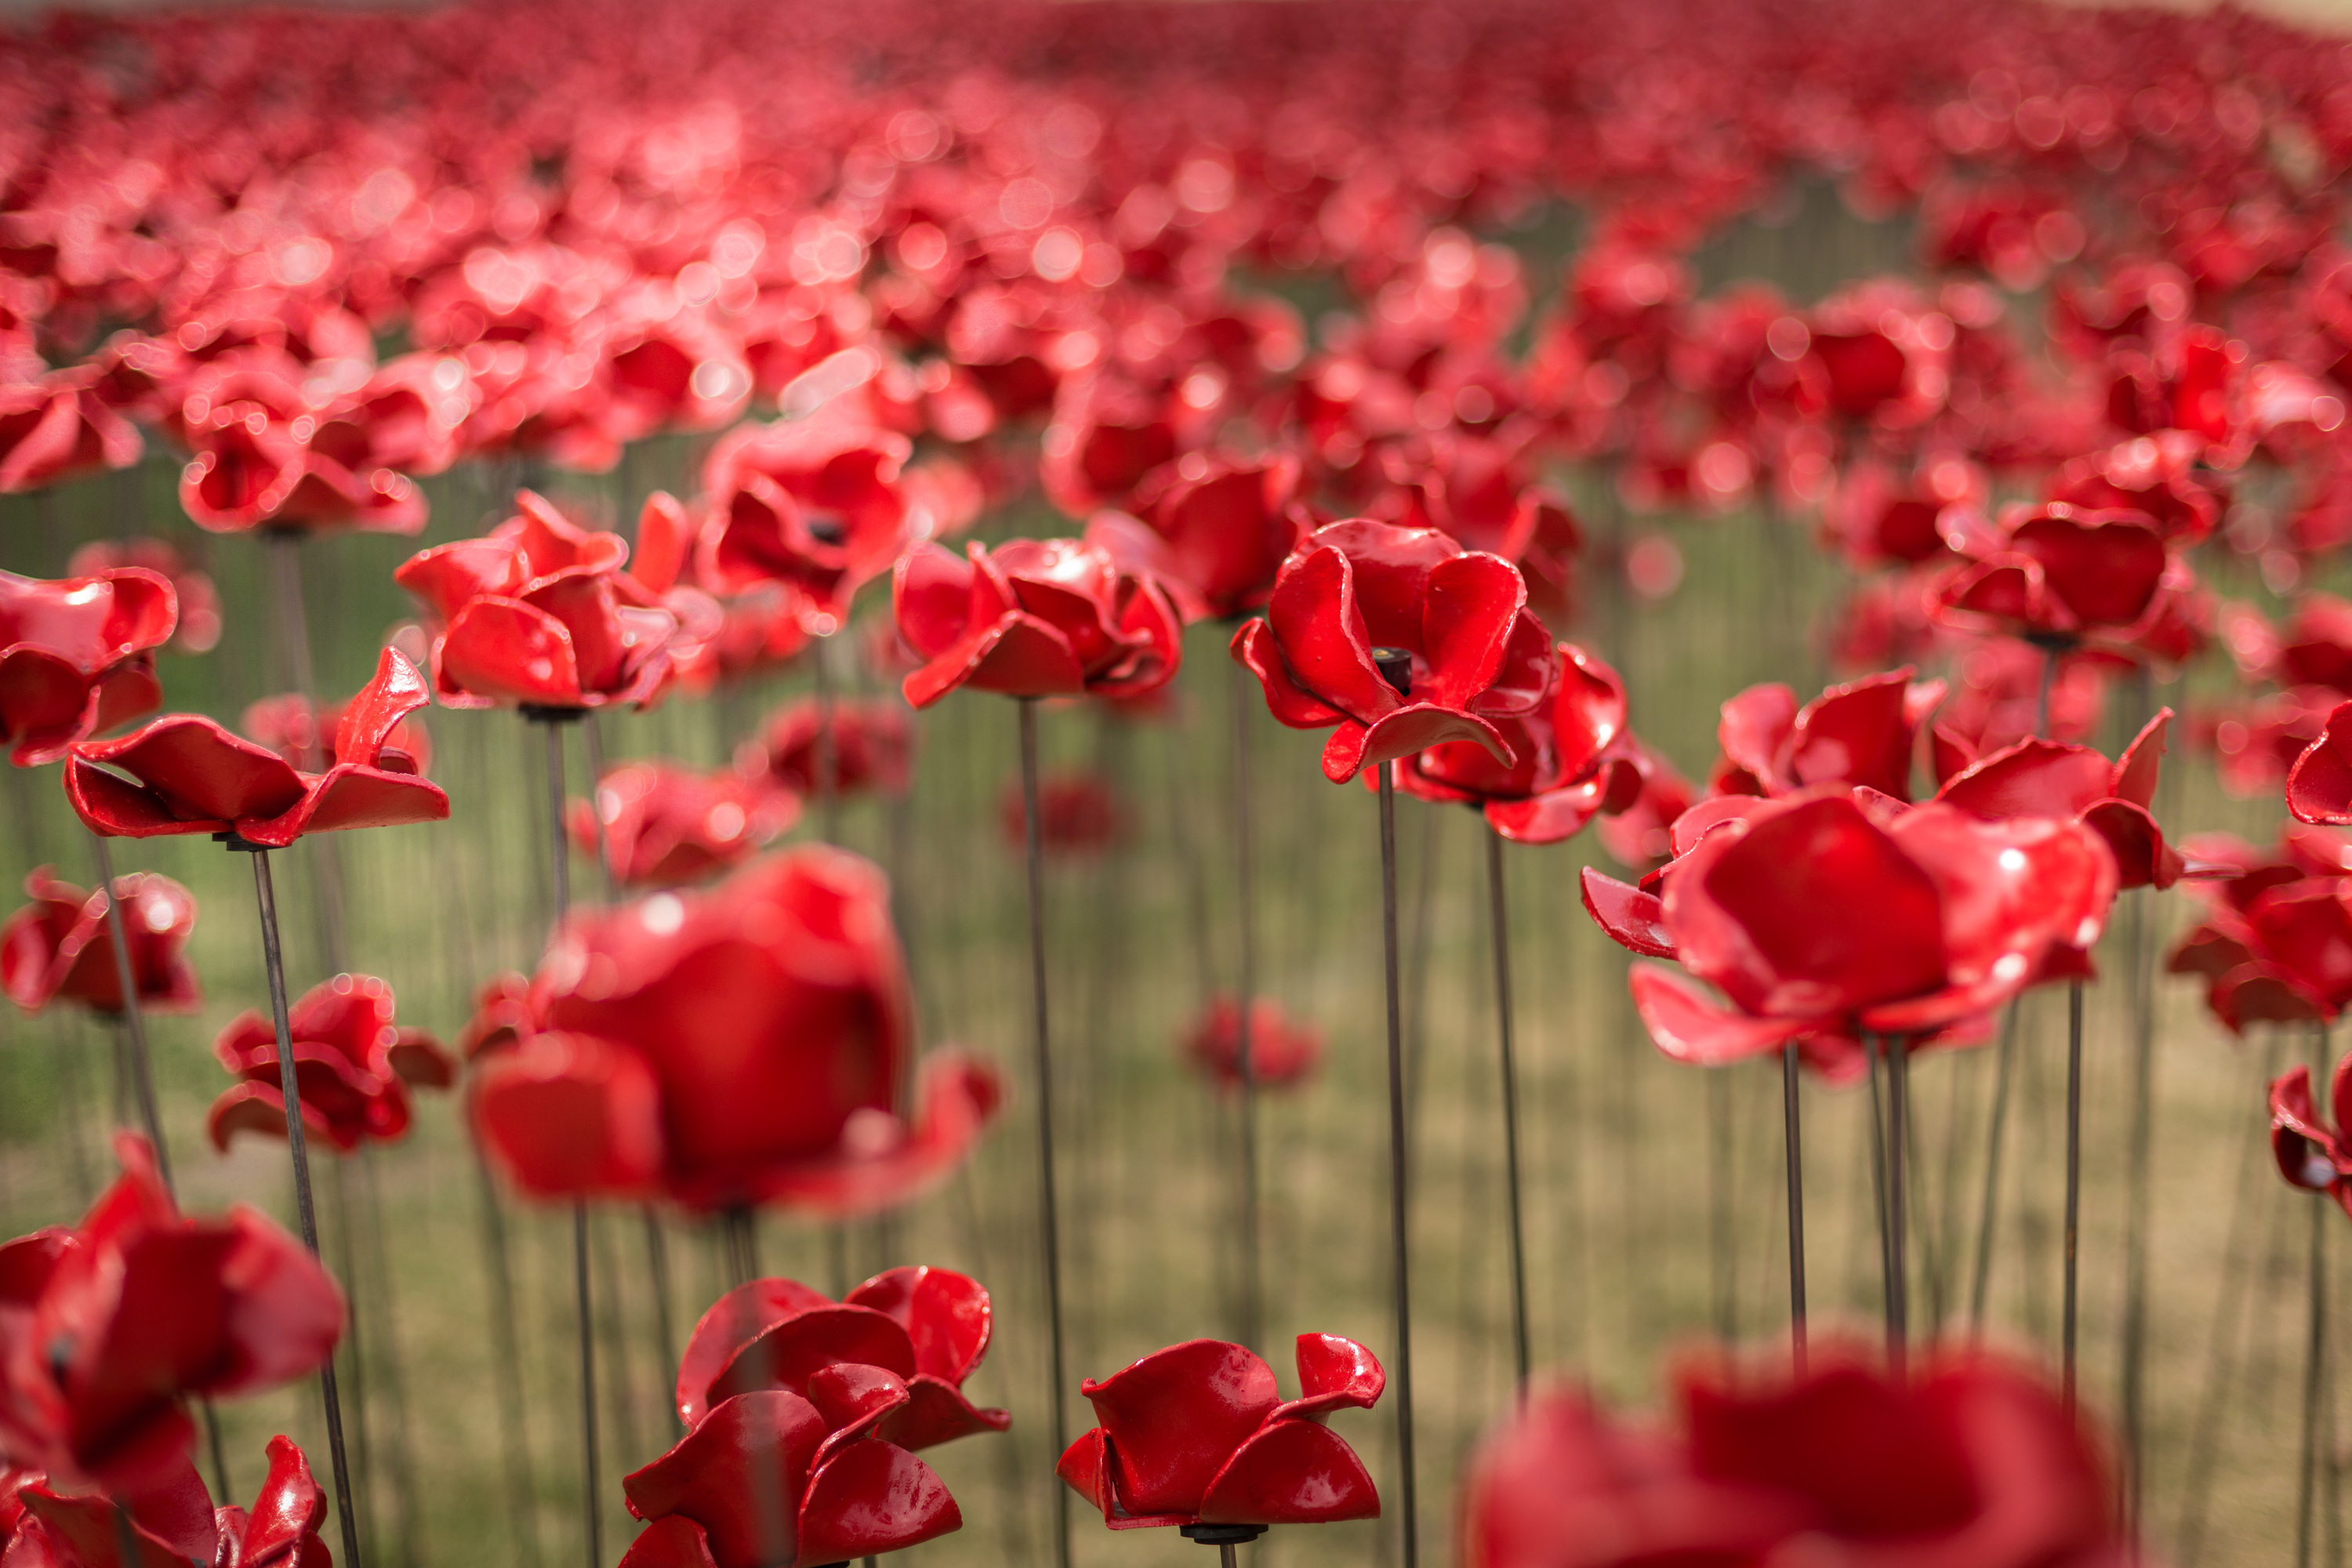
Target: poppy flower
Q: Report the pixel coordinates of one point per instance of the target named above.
(1864, 733)
(1878, 516)
(2157, 475)
(171, 1522)
(2319, 784)
(541, 613)
(927, 1327)
(2275, 946)
(302, 731)
(1571, 759)
(1884, 354)
(199, 626)
(110, 1325)
(2311, 1154)
(282, 1526)
(1283, 1051)
(1475, 654)
(745, 1044)
(1967, 1460)
(872, 748)
(663, 825)
(1212, 531)
(352, 1064)
(61, 946)
(77, 656)
(2062, 573)
(1641, 837)
(1052, 617)
(814, 504)
(1996, 699)
(1076, 815)
(186, 774)
(1198, 1434)
(57, 427)
(1819, 920)
(2049, 778)
(266, 456)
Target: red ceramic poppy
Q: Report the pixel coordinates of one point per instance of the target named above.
(2275, 945)
(1573, 759)
(1198, 1434)
(288, 726)
(281, 1529)
(184, 774)
(1997, 699)
(76, 657)
(2059, 573)
(2312, 1155)
(1968, 1460)
(1865, 732)
(354, 1066)
(1078, 813)
(109, 1326)
(1879, 516)
(1052, 617)
(266, 457)
(61, 946)
(1641, 838)
(199, 626)
(929, 1328)
(1476, 655)
(1283, 1051)
(539, 612)
(57, 427)
(872, 748)
(2319, 784)
(814, 504)
(172, 1522)
(2046, 778)
(663, 825)
(1213, 531)
(1885, 354)
(1834, 913)
(746, 1044)
(2158, 477)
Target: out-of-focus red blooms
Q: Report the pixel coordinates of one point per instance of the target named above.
(813, 504)
(1884, 354)
(1078, 813)
(1283, 1051)
(60, 947)
(1199, 1434)
(2051, 778)
(541, 613)
(872, 748)
(1865, 732)
(58, 426)
(2014, 232)
(2312, 646)
(1641, 837)
(1473, 489)
(268, 457)
(1997, 699)
(747, 1044)
(2066, 576)
(2319, 784)
(2184, 385)
(288, 726)
(1826, 916)
(928, 1327)
(2157, 475)
(186, 774)
(2312, 1155)
(353, 1064)
(1108, 436)
(199, 626)
(1401, 639)
(1573, 759)
(660, 825)
(108, 1327)
(1052, 617)
(77, 656)
(171, 1520)
(1879, 516)
(1212, 531)
(1967, 1460)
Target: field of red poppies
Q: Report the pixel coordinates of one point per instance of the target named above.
(1539, 787)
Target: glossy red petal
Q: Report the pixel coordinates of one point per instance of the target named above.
(854, 1398)
(938, 1412)
(2143, 858)
(2307, 1152)
(1320, 637)
(1291, 1472)
(947, 1316)
(1754, 728)
(287, 1512)
(1333, 1371)
(788, 1354)
(2032, 778)
(665, 541)
(1016, 656)
(1418, 726)
(2136, 773)
(673, 1540)
(260, 1108)
(957, 1095)
(112, 805)
(931, 594)
(1085, 1469)
(2319, 784)
(1859, 733)
(734, 1320)
(348, 796)
(46, 704)
(1633, 919)
(1690, 1027)
(1174, 1417)
(1553, 816)
(200, 770)
(1469, 611)
(448, 577)
(740, 1475)
(505, 650)
(569, 1114)
(369, 718)
(1253, 646)
(872, 1496)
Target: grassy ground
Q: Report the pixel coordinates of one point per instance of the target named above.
(1656, 1204)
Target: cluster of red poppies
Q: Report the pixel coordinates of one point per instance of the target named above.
(908, 266)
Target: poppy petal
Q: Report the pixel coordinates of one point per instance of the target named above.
(734, 1320)
(1633, 919)
(1690, 1027)
(1174, 1416)
(870, 1498)
(1291, 1472)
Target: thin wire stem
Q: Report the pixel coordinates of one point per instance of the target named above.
(2315, 1355)
(1793, 1144)
(1499, 906)
(1048, 1213)
(2073, 1182)
(265, 898)
(2004, 1068)
(1898, 1143)
(1243, 689)
(1408, 1499)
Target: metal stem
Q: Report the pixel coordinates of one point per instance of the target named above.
(2004, 1065)
(134, 1022)
(506, 1340)
(1048, 1218)
(1499, 908)
(1408, 1510)
(1244, 693)
(2314, 1379)
(828, 760)
(2139, 1151)
(1794, 1142)
(1898, 1145)
(2074, 1179)
(266, 899)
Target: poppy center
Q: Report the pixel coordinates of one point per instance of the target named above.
(1395, 665)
